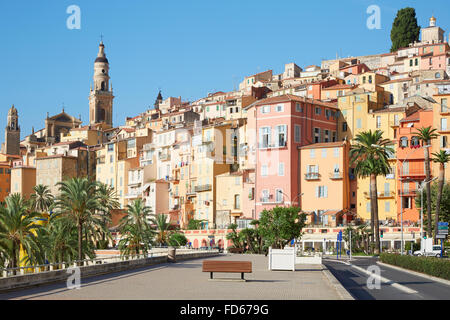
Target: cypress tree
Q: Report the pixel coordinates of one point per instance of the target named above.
(404, 29)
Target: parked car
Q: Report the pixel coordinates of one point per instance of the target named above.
(435, 252)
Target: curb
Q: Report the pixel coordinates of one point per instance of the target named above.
(419, 274)
(343, 293)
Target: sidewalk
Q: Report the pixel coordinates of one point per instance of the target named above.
(185, 280)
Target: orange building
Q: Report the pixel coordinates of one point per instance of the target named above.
(411, 163)
(5, 179)
(325, 183)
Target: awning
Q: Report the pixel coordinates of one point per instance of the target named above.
(331, 212)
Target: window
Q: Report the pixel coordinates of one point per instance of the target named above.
(414, 141)
(358, 123)
(327, 136)
(443, 124)
(279, 195)
(403, 142)
(237, 201)
(281, 169)
(281, 133)
(297, 131)
(416, 62)
(336, 152)
(318, 111)
(367, 206)
(298, 107)
(324, 153)
(110, 147)
(279, 108)
(378, 121)
(312, 153)
(264, 137)
(321, 192)
(265, 196)
(333, 136)
(443, 141)
(316, 135)
(344, 126)
(444, 107)
(264, 170)
(265, 109)
(370, 79)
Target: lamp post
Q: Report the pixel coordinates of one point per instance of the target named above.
(401, 201)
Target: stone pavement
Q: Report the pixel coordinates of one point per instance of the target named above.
(185, 280)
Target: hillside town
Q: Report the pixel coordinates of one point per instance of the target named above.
(278, 140)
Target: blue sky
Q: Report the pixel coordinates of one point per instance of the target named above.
(187, 48)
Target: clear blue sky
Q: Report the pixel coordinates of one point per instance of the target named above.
(188, 48)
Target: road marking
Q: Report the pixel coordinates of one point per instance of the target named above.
(385, 280)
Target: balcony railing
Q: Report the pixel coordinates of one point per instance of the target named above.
(411, 173)
(164, 156)
(444, 109)
(336, 175)
(409, 192)
(381, 194)
(205, 187)
(280, 144)
(312, 176)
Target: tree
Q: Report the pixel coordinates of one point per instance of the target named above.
(108, 202)
(370, 155)
(162, 228)
(78, 202)
(177, 240)
(444, 208)
(234, 236)
(426, 134)
(135, 229)
(42, 199)
(194, 224)
(441, 157)
(404, 29)
(17, 230)
(280, 225)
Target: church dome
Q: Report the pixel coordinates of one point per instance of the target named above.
(101, 59)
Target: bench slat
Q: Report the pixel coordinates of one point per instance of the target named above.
(227, 266)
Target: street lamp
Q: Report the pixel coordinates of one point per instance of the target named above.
(401, 201)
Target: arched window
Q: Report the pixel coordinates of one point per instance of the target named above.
(414, 141)
(437, 75)
(403, 142)
(103, 85)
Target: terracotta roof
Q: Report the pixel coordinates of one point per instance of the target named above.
(396, 80)
(339, 86)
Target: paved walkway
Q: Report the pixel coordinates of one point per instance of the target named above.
(185, 280)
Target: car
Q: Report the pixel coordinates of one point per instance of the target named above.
(435, 252)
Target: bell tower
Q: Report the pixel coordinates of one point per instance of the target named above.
(12, 133)
(101, 95)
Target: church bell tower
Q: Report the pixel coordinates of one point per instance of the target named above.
(12, 133)
(101, 95)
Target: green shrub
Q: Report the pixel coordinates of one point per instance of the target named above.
(177, 239)
(430, 265)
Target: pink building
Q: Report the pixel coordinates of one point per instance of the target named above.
(283, 124)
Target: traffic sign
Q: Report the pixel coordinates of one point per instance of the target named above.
(441, 236)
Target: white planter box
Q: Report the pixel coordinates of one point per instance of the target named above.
(282, 259)
(308, 260)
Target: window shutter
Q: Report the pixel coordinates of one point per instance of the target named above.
(325, 192)
(317, 192)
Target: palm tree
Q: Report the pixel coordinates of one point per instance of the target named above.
(442, 158)
(426, 134)
(108, 202)
(78, 202)
(162, 228)
(17, 230)
(135, 229)
(41, 199)
(370, 154)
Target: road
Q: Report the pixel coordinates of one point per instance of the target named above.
(404, 285)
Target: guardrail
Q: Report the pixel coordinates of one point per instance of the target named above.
(9, 272)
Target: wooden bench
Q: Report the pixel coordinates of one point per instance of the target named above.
(235, 250)
(227, 267)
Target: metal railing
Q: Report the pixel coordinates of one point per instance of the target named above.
(8, 272)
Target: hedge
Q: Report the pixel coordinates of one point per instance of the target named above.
(432, 266)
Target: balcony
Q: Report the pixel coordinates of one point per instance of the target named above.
(408, 193)
(336, 175)
(394, 124)
(312, 176)
(381, 195)
(280, 144)
(414, 174)
(164, 156)
(205, 187)
(444, 110)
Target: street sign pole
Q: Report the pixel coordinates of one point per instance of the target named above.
(350, 245)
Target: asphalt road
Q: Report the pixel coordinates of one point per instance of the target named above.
(402, 286)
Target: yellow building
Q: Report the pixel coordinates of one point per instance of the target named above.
(229, 196)
(90, 135)
(23, 179)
